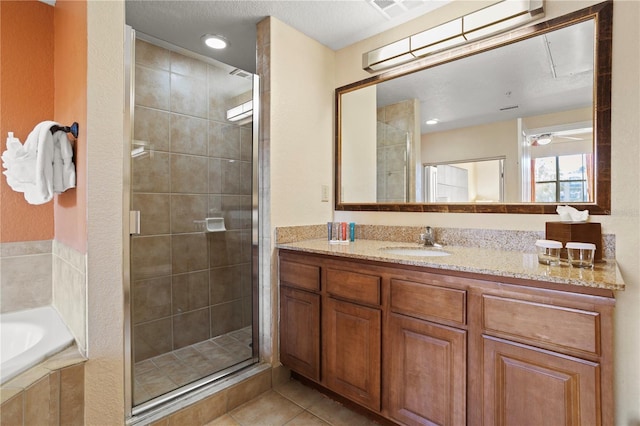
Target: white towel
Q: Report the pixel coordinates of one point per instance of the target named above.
(64, 171)
(41, 166)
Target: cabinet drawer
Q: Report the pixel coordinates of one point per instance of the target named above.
(428, 302)
(557, 327)
(300, 275)
(354, 286)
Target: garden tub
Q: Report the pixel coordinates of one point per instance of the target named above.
(28, 338)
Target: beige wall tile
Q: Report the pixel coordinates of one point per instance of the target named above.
(6, 393)
(151, 299)
(189, 174)
(231, 177)
(154, 213)
(152, 338)
(153, 127)
(54, 398)
(190, 291)
(25, 282)
(191, 67)
(189, 135)
(224, 140)
(215, 178)
(245, 178)
(151, 55)
(150, 257)
(188, 95)
(217, 105)
(36, 402)
(23, 248)
(246, 143)
(249, 389)
(151, 173)
(225, 284)
(161, 422)
(226, 317)
(11, 411)
(225, 248)
(201, 412)
(69, 294)
(189, 252)
(190, 327)
(72, 395)
(187, 209)
(152, 88)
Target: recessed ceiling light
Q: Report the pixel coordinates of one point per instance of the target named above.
(544, 139)
(432, 121)
(214, 41)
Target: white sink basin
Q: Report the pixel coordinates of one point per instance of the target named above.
(416, 251)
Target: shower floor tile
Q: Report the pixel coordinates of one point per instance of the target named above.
(164, 373)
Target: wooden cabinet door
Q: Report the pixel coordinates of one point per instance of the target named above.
(524, 386)
(300, 331)
(352, 336)
(427, 372)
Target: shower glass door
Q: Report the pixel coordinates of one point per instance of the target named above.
(192, 180)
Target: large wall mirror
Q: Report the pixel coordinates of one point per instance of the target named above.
(517, 123)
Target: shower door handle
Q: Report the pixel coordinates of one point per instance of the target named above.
(134, 222)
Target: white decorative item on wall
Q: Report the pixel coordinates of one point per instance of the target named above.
(43, 166)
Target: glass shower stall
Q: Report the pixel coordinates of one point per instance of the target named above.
(191, 181)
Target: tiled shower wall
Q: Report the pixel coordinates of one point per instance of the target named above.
(187, 284)
(396, 123)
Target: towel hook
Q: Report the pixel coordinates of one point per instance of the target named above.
(73, 129)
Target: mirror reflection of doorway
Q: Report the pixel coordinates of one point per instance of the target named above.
(476, 181)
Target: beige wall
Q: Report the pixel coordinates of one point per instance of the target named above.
(302, 93)
(358, 136)
(104, 385)
(302, 149)
(625, 218)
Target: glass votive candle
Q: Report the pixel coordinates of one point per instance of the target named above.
(548, 252)
(581, 255)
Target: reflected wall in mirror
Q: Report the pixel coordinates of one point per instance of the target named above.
(538, 98)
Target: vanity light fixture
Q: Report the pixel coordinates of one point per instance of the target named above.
(490, 20)
(240, 112)
(215, 41)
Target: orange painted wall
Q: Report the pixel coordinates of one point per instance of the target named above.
(43, 76)
(70, 104)
(26, 98)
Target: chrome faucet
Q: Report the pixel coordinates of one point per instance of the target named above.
(428, 239)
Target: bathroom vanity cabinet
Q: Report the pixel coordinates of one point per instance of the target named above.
(418, 345)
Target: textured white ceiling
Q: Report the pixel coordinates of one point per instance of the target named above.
(334, 23)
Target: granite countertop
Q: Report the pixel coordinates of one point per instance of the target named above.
(513, 264)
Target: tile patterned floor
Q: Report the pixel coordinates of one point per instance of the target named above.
(163, 373)
(292, 404)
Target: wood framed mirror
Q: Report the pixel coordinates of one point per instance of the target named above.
(537, 97)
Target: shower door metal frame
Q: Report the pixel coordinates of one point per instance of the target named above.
(135, 414)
